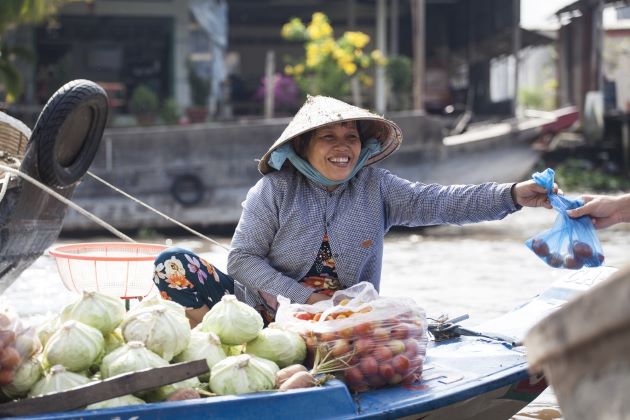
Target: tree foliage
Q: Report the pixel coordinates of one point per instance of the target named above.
(14, 13)
(329, 63)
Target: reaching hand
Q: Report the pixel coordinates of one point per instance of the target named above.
(530, 194)
(604, 210)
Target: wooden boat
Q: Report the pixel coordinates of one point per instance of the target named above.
(57, 154)
(480, 374)
(584, 350)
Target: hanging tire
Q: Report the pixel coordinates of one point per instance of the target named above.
(187, 190)
(68, 132)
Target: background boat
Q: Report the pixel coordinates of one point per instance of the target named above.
(200, 174)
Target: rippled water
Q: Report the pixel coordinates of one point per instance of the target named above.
(482, 270)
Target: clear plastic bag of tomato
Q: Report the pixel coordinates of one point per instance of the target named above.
(382, 340)
(17, 343)
(570, 243)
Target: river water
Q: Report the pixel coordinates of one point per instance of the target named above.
(482, 270)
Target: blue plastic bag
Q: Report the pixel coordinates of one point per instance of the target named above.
(570, 243)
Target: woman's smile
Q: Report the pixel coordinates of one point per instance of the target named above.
(334, 150)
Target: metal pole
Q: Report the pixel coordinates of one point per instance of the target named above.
(270, 68)
(393, 27)
(352, 15)
(379, 85)
(418, 30)
(516, 48)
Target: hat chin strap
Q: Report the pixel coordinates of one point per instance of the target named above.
(284, 152)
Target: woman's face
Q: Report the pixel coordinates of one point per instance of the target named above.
(334, 150)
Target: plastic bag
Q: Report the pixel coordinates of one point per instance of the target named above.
(570, 243)
(383, 339)
(17, 343)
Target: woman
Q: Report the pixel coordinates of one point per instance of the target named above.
(316, 221)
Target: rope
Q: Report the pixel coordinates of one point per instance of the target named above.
(93, 217)
(69, 203)
(170, 219)
(5, 185)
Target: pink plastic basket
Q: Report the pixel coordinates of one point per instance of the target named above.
(116, 268)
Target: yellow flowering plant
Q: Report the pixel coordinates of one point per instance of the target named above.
(328, 63)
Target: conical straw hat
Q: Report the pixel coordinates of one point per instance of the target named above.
(319, 111)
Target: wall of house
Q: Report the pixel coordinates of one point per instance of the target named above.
(176, 9)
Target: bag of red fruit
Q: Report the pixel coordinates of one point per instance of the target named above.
(17, 343)
(570, 243)
(381, 341)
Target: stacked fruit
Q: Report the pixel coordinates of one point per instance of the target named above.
(379, 351)
(578, 255)
(17, 344)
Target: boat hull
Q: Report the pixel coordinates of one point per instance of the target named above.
(482, 376)
(584, 350)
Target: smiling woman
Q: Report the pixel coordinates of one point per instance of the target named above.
(316, 221)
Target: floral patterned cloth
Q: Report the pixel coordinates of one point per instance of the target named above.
(184, 277)
(322, 276)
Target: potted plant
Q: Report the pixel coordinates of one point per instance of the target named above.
(199, 91)
(144, 104)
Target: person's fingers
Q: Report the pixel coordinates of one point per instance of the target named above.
(578, 212)
(560, 192)
(540, 189)
(587, 198)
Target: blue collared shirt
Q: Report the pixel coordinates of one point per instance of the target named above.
(285, 216)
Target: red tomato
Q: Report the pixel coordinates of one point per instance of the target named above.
(400, 331)
(411, 347)
(400, 363)
(369, 366)
(363, 346)
(382, 353)
(386, 371)
(354, 375)
(303, 315)
(364, 329)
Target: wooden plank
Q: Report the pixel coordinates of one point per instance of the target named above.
(128, 383)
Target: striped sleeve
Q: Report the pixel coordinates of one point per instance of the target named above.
(247, 261)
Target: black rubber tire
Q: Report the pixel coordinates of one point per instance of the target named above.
(187, 190)
(68, 132)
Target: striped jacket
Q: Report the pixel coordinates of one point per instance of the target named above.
(285, 216)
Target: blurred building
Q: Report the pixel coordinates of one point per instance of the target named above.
(466, 45)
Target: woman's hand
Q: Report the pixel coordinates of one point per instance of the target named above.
(530, 194)
(317, 297)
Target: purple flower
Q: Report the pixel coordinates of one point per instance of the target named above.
(286, 92)
(195, 267)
